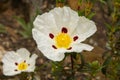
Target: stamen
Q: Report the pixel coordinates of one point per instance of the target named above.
(64, 30)
(75, 38)
(22, 66)
(69, 48)
(51, 35)
(54, 46)
(16, 63)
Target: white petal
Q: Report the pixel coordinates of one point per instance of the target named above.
(58, 16)
(45, 23)
(53, 21)
(80, 47)
(40, 38)
(32, 61)
(9, 60)
(84, 29)
(70, 18)
(9, 70)
(44, 44)
(65, 17)
(52, 54)
(30, 69)
(11, 57)
(24, 53)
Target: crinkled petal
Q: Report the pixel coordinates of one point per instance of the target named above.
(65, 17)
(11, 57)
(84, 29)
(53, 21)
(9, 70)
(44, 44)
(80, 47)
(58, 15)
(45, 23)
(9, 60)
(24, 53)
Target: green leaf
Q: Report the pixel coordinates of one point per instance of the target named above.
(24, 34)
(81, 13)
(105, 54)
(108, 26)
(103, 1)
(22, 22)
(91, 15)
(117, 28)
(106, 64)
(27, 27)
(79, 1)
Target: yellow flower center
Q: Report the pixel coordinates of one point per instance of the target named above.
(63, 40)
(22, 66)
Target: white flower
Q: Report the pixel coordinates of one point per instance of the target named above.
(61, 30)
(17, 62)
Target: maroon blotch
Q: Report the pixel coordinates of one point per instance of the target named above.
(15, 70)
(54, 46)
(51, 35)
(64, 30)
(24, 61)
(75, 38)
(69, 48)
(16, 63)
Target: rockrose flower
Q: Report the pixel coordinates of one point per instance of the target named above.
(61, 30)
(17, 62)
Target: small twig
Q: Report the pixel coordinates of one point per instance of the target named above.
(72, 65)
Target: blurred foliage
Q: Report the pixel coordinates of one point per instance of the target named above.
(85, 8)
(2, 29)
(93, 68)
(27, 26)
(57, 70)
(112, 55)
(60, 3)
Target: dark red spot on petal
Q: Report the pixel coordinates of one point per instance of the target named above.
(51, 35)
(28, 64)
(24, 61)
(64, 30)
(15, 70)
(75, 38)
(69, 48)
(54, 46)
(16, 63)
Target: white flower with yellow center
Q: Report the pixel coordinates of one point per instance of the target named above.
(61, 30)
(17, 62)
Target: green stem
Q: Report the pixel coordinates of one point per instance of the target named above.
(72, 66)
(23, 76)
